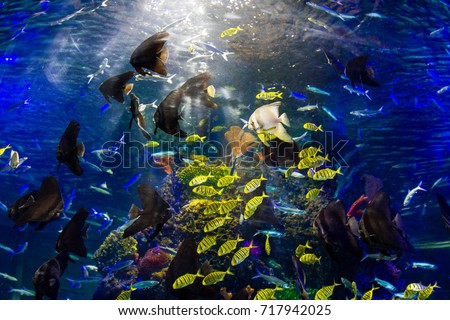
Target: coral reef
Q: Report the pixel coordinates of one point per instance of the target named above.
(155, 259)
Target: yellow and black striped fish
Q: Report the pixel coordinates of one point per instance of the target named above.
(309, 258)
(186, 280)
(228, 206)
(325, 293)
(326, 174)
(227, 180)
(253, 204)
(269, 95)
(369, 294)
(267, 245)
(206, 243)
(228, 246)
(312, 127)
(126, 294)
(415, 287)
(300, 250)
(266, 294)
(216, 223)
(199, 180)
(216, 276)
(305, 164)
(242, 254)
(212, 207)
(425, 293)
(253, 184)
(230, 32)
(206, 191)
(309, 152)
(313, 193)
(355, 290)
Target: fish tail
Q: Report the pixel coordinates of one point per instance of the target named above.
(91, 76)
(284, 119)
(319, 128)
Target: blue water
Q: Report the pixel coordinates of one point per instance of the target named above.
(48, 49)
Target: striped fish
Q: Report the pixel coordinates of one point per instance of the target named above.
(206, 243)
(312, 127)
(228, 206)
(325, 293)
(126, 294)
(241, 254)
(213, 207)
(253, 204)
(355, 290)
(369, 294)
(216, 223)
(253, 184)
(300, 250)
(206, 191)
(215, 277)
(305, 164)
(267, 245)
(425, 293)
(228, 246)
(227, 180)
(266, 294)
(199, 180)
(309, 258)
(313, 193)
(186, 280)
(415, 287)
(326, 174)
(309, 152)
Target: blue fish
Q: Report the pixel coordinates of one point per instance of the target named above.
(104, 108)
(3, 207)
(132, 181)
(69, 199)
(120, 265)
(298, 95)
(22, 247)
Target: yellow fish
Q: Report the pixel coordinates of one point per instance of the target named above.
(313, 193)
(319, 161)
(199, 157)
(300, 250)
(355, 291)
(195, 138)
(218, 128)
(309, 258)
(253, 184)
(126, 294)
(267, 245)
(216, 223)
(242, 254)
(228, 246)
(206, 243)
(311, 173)
(194, 204)
(266, 294)
(227, 180)
(326, 174)
(230, 32)
(369, 294)
(186, 280)
(152, 144)
(253, 204)
(325, 293)
(228, 206)
(309, 152)
(212, 207)
(2, 150)
(211, 91)
(199, 180)
(317, 22)
(216, 276)
(269, 95)
(206, 191)
(312, 127)
(425, 293)
(305, 163)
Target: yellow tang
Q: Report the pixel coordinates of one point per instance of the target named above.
(199, 180)
(206, 243)
(313, 193)
(309, 152)
(253, 204)
(212, 207)
(253, 184)
(2, 150)
(326, 174)
(305, 164)
(228, 206)
(194, 138)
(228, 246)
(312, 127)
(269, 95)
(126, 294)
(186, 280)
(227, 180)
(325, 293)
(309, 258)
(241, 254)
(266, 294)
(216, 223)
(425, 293)
(230, 32)
(267, 245)
(369, 294)
(300, 250)
(206, 191)
(216, 276)
(152, 144)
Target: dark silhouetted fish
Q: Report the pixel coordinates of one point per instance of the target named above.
(331, 226)
(68, 150)
(46, 279)
(445, 209)
(155, 212)
(71, 238)
(357, 71)
(280, 153)
(332, 61)
(137, 116)
(43, 205)
(301, 279)
(380, 227)
(195, 91)
(115, 86)
(151, 55)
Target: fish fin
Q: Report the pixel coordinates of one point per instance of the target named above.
(81, 149)
(91, 76)
(128, 88)
(30, 201)
(164, 55)
(134, 211)
(160, 67)
(281, 133)
(285, 120)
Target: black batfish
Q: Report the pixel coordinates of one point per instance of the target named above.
(445, 209)
(280, 153)
(155, 212)
(380, 227)
(68, 150)
(137, 116)
(332, 229)
(43, 205)
(46, 279)
(151, 55)
(115, 86)
(71, 238)
(357, 71)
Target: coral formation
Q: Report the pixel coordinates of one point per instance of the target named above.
(154, 260)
